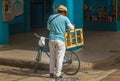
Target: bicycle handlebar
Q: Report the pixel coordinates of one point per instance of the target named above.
(35, 34)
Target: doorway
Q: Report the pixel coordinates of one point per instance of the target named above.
(40, 10)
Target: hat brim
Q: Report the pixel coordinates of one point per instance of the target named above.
(61, 10)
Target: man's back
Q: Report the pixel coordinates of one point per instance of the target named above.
(58, 26)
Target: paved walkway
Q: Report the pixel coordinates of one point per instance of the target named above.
(102, 48)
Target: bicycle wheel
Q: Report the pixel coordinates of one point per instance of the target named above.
(38, 59)
(71, 63)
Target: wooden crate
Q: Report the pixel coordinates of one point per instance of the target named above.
(74, 38)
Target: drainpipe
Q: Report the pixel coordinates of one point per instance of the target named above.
(4, 32)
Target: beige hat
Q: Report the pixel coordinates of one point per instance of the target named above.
(61, 7)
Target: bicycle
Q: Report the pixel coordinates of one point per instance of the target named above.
(71, 63)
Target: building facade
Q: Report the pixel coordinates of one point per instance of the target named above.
(34, 14)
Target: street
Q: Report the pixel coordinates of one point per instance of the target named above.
(8, 73)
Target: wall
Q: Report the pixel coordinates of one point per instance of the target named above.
(21, 23)
(78, 13)
(17, 25)
(4, 33)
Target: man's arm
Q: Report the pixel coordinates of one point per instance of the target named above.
(48, 26)
(70, 26)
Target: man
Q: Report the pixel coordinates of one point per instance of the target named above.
(57, 24)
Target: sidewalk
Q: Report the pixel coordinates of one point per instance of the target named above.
(101, 49)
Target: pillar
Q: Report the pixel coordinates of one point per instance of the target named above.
(70, 6)
(4, 32)
(78, 13)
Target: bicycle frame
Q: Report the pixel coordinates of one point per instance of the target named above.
(44, 49)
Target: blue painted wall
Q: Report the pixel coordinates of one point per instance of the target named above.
(78, 13)
(18, 19)
(59, 2)
(17, 25)
(21, 23)
(78, 16)
(4, 33)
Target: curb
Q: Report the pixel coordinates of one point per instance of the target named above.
(114, 59)
(101, 64)
(45, 66)
(22, 63)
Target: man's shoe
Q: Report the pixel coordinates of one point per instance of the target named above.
(59, 77)
(51, 75)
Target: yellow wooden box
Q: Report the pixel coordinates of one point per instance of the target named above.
(74, 38)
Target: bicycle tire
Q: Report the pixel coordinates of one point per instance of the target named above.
(38, 59)
(71, 63)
